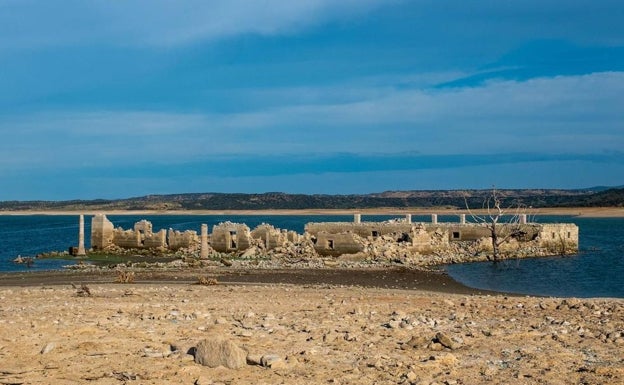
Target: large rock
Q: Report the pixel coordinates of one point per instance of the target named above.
(218, 351)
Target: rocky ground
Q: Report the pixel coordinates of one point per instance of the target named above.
(107, 333)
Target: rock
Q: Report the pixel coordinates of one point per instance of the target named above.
(570, 303)
(411, 376)
(272, 361)
(415, 342)
(218, 351)
(444, 340)
(254, 359)
(436, 347)
(48, 348)
(447, 359)
(250, 252)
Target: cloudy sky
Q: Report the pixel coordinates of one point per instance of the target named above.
(112, 99)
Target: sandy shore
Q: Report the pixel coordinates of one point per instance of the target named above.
(596, 212)
(307, 334)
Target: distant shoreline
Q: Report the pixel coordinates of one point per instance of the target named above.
(588, 212)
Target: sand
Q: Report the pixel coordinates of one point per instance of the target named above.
(309, 333)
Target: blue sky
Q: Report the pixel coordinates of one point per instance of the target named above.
(112, 99)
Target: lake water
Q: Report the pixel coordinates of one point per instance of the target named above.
(596, 271)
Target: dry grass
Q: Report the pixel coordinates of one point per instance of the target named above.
(125, 276)
(205, 281)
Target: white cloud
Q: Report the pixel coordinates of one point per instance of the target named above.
(541, 114)
(161, 22)
(574, 114)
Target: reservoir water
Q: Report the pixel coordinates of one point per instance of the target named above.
(596, 271)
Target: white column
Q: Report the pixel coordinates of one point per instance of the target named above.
(408, 218)
(357, 218)
(204, 241)
(462, 219)
(81, 248)
(434, 219)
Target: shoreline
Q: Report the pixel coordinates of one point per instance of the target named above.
(587, 212)
(382, 278)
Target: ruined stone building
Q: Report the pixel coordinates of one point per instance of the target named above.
(104, 235)
(340, 238)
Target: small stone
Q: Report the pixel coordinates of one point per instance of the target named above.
(447, 359)
(436, 347)
(48, 348)
(254, 359)
(218, 351)
(272, 361)
(444, 340)
(415, 342)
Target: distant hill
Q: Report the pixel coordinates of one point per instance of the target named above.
(598, 197)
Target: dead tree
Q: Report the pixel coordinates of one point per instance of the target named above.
(503, 223)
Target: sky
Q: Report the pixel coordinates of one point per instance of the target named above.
(114, 99)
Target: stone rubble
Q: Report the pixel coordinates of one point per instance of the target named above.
(186, 334)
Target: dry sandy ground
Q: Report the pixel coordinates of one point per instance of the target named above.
(322, 334)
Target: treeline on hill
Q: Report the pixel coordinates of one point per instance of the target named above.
(613, 197)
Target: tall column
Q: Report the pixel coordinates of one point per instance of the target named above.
(81, 248)
(357, 218)
(204, 241)
(434, 219)
(408, 218)
(462, 219)
(523, 219)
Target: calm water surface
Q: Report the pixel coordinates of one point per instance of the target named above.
(596, 271)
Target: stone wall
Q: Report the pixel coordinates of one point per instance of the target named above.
(362, 229)
(559, 237)
(270, 236)
(332, 239)
(101, 232)
(230, 237)
(182, 239)
(336, 244)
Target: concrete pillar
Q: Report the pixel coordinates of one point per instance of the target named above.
(462, 219)
(523, 219)
(357, 218)
(203, 253)
(408, 218)
(81, 248)
(434, 219)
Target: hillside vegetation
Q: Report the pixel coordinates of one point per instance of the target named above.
(613, 197)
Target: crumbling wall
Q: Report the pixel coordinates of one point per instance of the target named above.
(229, 237)
(182, 240)
(128, 239)
(270, 236)
(560, 238)
(141, 237)
(144, 226)
(155, 240)
(101, 232)
(466, 232)
(362, 229)
(335, 244)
